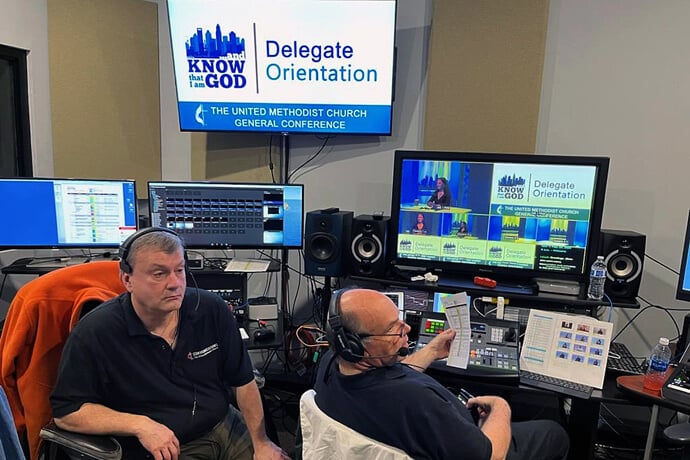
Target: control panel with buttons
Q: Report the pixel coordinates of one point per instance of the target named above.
(493, 343)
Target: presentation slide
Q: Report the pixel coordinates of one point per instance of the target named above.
(273, 65)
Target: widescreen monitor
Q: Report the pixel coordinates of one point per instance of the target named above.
(496, 214)
(276, 66)
(220, 215)
(66, 213)
(683, 288)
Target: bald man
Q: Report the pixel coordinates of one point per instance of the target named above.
(382, 393)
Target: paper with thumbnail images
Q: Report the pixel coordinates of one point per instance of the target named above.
(458, 317)
(569, 347)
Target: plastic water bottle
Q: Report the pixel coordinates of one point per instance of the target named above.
(597, 279)
(658, 363)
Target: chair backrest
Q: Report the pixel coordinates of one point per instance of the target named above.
(38, 322)
(324, 437)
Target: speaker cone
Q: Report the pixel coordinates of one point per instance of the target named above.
(367, 248)
(623, 266)
(322, 246)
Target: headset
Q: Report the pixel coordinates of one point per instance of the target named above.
(348, 345)
(126, 246)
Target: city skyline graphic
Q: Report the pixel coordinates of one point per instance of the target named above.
(205, 44)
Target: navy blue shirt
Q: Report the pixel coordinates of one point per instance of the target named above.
(110, 358)
(403, 408)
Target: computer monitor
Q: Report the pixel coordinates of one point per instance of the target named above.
(223, 215)
(66, 213)
(683, 288)
(506, 216)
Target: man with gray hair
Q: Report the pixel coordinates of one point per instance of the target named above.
(156, 366)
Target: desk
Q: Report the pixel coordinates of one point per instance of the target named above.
(540, 300)
(632, 385)
(582, 423)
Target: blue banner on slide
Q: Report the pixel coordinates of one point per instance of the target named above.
(288, 118)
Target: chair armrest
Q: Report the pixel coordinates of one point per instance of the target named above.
(96, 446)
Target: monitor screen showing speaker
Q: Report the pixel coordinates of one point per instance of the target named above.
(683, 288)
(217, 215)
(498, 214)
(303, 66)
(66, 213)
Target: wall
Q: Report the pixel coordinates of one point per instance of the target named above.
(615, 84)
(27, 28)
(105, 89)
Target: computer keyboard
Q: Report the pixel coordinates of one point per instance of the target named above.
(621, 361)
(576, 390)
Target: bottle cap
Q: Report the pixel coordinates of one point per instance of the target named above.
(663, 341)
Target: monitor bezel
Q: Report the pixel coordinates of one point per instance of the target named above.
(229, 184)
(684, 294)
(87, 246)
(502, 273)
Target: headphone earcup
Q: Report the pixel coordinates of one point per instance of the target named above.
(354, 351)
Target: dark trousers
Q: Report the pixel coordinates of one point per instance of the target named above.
(228, 440)
(538, 440)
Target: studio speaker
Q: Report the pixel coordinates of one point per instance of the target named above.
(623, 252)
(326, 239)
(368, 245)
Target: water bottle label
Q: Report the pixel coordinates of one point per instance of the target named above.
(598, 273)
(658, 365)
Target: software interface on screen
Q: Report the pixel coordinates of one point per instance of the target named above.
(66, 212)
(224, 215)
(510, 215)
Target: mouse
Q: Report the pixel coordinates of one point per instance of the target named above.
(263, 335)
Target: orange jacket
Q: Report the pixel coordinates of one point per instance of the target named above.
(38, 321)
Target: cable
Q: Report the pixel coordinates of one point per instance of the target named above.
(289, 177)
(270, 158)
(662, 264)
(667, 310)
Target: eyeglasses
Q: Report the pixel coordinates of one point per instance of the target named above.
(390, 334)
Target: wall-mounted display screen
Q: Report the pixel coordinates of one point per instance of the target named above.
(300, 66)
(66, 213)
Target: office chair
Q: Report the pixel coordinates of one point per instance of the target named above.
(324, 437)
(38, 321)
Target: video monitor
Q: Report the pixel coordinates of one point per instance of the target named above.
(66, 213)
(299, 66)
(683, 287)
(497, 214)
(223, 215)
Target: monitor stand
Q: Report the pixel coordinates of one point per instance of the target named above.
(502, 287)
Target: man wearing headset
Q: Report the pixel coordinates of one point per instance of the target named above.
(155, 367)
(373, 387)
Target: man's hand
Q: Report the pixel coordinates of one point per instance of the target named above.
(439, 347)
(159, 440)
(269, 451)
(486, 404)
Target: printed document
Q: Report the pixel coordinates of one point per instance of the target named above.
(458, 317)
(568, 347)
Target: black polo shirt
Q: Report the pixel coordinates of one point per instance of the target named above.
(403, 408)
(110, 358)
